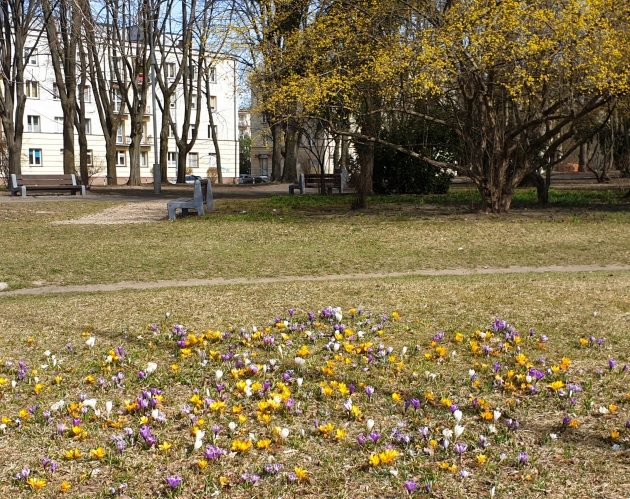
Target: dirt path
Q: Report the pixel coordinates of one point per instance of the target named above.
(220, 281)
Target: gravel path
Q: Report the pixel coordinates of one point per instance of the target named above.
(220, 281)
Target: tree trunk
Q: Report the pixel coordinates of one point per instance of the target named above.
(68, 141)
(110, 159)
(181, 164)
(215, 142)
(134, 147)
(83, 155)
(292, 143)
(542, 187)
(496, 197)
(164, 129)
(364, 184)
(276, 155)
(14, 150)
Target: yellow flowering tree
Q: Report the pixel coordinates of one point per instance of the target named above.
(513, 79)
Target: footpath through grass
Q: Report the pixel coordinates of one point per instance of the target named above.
(412, 385)
(309, 235)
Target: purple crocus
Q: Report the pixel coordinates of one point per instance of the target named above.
(369, 391)
(523, 458)
(174, 481)
(410, 486)
(612, 363)
(213, 452)
(460, 448)
(272, 468)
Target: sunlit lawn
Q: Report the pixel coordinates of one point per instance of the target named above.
(310, 235)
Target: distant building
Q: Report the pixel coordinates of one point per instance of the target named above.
(43, 142)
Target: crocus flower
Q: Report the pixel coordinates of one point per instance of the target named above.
(174, 481)
(410, 486)
(460, 448)
(522, 458)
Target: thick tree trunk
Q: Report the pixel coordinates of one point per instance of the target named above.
(276, 155)
(14, 150)
(181, 164)
(134, 152)
(68, 141)
(542, 187)
(83, 155)
(110, 159)
(364, 184)
(496, 197)
(292, 139)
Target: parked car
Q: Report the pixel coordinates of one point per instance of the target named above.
(244, 178)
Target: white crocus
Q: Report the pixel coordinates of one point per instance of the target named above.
(108, 407)
(151, 367)
(90, 403)
(369, 424)
(199, 439)
(457, 431)
(57, 406)
(458, 415)
(218, 374)
(90, 341)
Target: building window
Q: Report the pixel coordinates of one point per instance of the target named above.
(213, 103)
(120, 134)
(31, 89)
(120, 158)
(55, 92)
(32, 124)
(193, 160)
(144, 159)
(264, 118)
(89, 157)
(30, 56)
(212, 74)
(170, 70)
(59, 124)
(193, 101)
(192, 71)
(216, 131)
(193, 130)
(88, 126)
(264, 165)
(171, 159)
(34, 157)
(87, 93)
(117, 101)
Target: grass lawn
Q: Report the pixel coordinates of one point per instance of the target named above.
(311, 235)
(411, 387)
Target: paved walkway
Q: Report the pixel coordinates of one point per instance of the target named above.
(220, 281)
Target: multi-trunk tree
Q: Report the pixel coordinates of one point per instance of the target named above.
(512, 80)
(21, 28)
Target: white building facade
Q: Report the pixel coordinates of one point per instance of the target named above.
(42, 146)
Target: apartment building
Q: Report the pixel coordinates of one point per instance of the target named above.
(42, 148)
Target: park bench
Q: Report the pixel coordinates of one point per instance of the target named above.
(202, 195)
(23, 184)
(325, 183)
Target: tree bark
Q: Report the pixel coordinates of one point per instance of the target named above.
(276, 155)
(292, 139)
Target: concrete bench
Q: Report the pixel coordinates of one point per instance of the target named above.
(325, 183)
(27, 184)
(202, 196)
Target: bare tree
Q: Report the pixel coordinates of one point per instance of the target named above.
(19, 24)
(63, 28)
